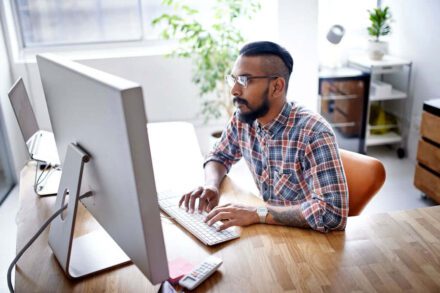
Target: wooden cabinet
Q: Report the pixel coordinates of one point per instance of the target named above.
(427, 176)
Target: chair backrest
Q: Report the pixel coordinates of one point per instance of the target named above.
(365, 176)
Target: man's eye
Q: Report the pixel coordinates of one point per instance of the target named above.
(242, 79)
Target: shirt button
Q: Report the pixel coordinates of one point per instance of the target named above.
(265, 193)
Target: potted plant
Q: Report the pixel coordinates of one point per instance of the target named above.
(380, 26)
(213, 47)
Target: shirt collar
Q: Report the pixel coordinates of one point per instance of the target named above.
(274, 126)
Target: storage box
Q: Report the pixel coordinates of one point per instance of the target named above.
(380, 89)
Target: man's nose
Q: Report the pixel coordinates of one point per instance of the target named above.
(236, 90)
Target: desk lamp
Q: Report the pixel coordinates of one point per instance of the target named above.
(334, 36)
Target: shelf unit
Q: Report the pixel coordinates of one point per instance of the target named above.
(396, 72)
(395, 94)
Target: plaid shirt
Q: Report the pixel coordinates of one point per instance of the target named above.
(294, 160)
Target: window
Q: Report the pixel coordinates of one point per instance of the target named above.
(42, 23)
(55, 22)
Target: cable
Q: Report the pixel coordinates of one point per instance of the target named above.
(36, 235)
(38, 180)
(48, 171)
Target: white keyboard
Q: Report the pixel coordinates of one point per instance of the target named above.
(193, 222)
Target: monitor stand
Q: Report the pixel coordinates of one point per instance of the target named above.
(88, 254)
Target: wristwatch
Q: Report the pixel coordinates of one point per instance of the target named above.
(262, 214)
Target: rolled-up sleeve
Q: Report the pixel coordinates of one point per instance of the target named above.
(327, 206)
(227, 149)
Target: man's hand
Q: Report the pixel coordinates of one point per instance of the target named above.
(233, 215)
(208, 197)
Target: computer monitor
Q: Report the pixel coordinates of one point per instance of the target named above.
(40, 143)
(104, 116)
(23, 110)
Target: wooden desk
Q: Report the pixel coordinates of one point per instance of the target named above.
(384, 252)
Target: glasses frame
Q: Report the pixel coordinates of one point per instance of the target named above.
(243, 80)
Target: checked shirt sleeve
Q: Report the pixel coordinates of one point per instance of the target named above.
(327, 207)
(227, 150)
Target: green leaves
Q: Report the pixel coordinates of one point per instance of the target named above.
(213, 48)
(379, 22)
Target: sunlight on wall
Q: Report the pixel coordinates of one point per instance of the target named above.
(353, 16)
(264, 26)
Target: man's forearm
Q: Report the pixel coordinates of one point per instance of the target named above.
(286, 216)
(214, 174)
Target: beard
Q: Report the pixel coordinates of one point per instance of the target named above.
(254, 113)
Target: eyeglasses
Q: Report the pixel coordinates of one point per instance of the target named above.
(243, 80)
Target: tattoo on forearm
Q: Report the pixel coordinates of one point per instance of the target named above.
(289, 216)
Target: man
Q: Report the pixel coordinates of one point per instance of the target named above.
(291, 152)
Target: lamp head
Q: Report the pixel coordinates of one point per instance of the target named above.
(335, 34)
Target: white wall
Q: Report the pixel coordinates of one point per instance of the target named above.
(415, 36)
(17, 146)
(168, 90)
(353, 16)
(298, 32)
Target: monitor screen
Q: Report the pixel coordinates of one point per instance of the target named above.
(23, 110)
(105, 116)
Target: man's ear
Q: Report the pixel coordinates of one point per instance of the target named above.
(279, 86)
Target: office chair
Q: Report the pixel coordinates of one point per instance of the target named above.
(365, 176)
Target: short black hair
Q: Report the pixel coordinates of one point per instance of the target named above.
(262, 48)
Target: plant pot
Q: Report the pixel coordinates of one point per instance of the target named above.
(377, 49)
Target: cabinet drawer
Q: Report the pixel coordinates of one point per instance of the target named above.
(430, 127)
(429, 155)
(428, 183)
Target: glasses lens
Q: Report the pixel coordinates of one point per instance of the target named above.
(242, 80)
(230, 79)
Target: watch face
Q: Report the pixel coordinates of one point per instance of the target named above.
(262, 213)
(262, 210)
